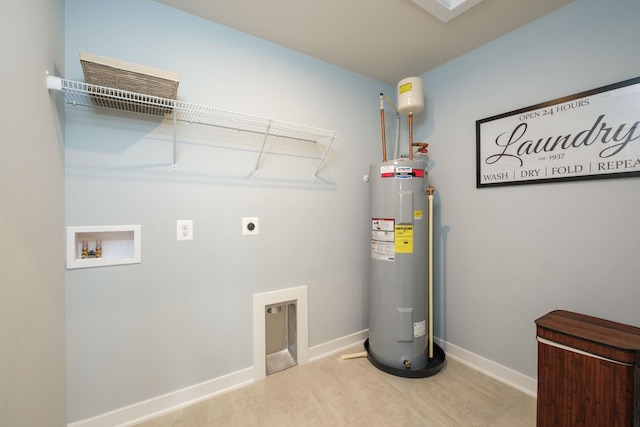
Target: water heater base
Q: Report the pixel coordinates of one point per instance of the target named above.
(434, 365)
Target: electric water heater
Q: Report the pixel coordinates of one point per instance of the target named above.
(401, 268)
(399, 342)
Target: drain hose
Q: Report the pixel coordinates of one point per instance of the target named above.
(353, 355)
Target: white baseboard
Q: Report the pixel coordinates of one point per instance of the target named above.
(337, 345)
(142, 411)
(492, 369)
(139, 412)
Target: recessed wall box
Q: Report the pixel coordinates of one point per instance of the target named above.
(119, 244)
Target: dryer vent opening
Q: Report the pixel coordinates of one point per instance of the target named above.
(280, 336)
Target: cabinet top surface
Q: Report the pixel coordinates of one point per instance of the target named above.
(611, 334)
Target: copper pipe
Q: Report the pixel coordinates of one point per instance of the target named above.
(423, 146)
(384, 137)
(410, 136)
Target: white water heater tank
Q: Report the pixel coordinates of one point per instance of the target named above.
(410, 95)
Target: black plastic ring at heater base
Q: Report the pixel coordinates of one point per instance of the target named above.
(434, 365)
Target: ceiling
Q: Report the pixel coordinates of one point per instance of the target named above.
(386, 40)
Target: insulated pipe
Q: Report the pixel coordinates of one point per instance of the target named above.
(430, 192)
(384, 138)
(390, 102)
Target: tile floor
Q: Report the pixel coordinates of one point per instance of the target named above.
(331, 392)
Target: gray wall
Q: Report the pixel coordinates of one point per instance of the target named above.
(32, 331)
(510, 255)
(184, 315)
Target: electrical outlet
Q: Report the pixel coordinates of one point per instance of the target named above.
(184, 229)
(250, 226)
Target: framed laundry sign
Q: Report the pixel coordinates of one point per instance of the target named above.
(589, 135)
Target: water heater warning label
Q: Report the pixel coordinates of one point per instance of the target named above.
(404, 239)
(382, 239)
(419, 329)
(382, 224)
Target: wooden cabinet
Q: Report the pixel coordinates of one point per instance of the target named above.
(588, 372)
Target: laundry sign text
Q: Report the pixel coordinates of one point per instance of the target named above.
(593, 134)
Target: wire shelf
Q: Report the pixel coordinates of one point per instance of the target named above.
(89, 95)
